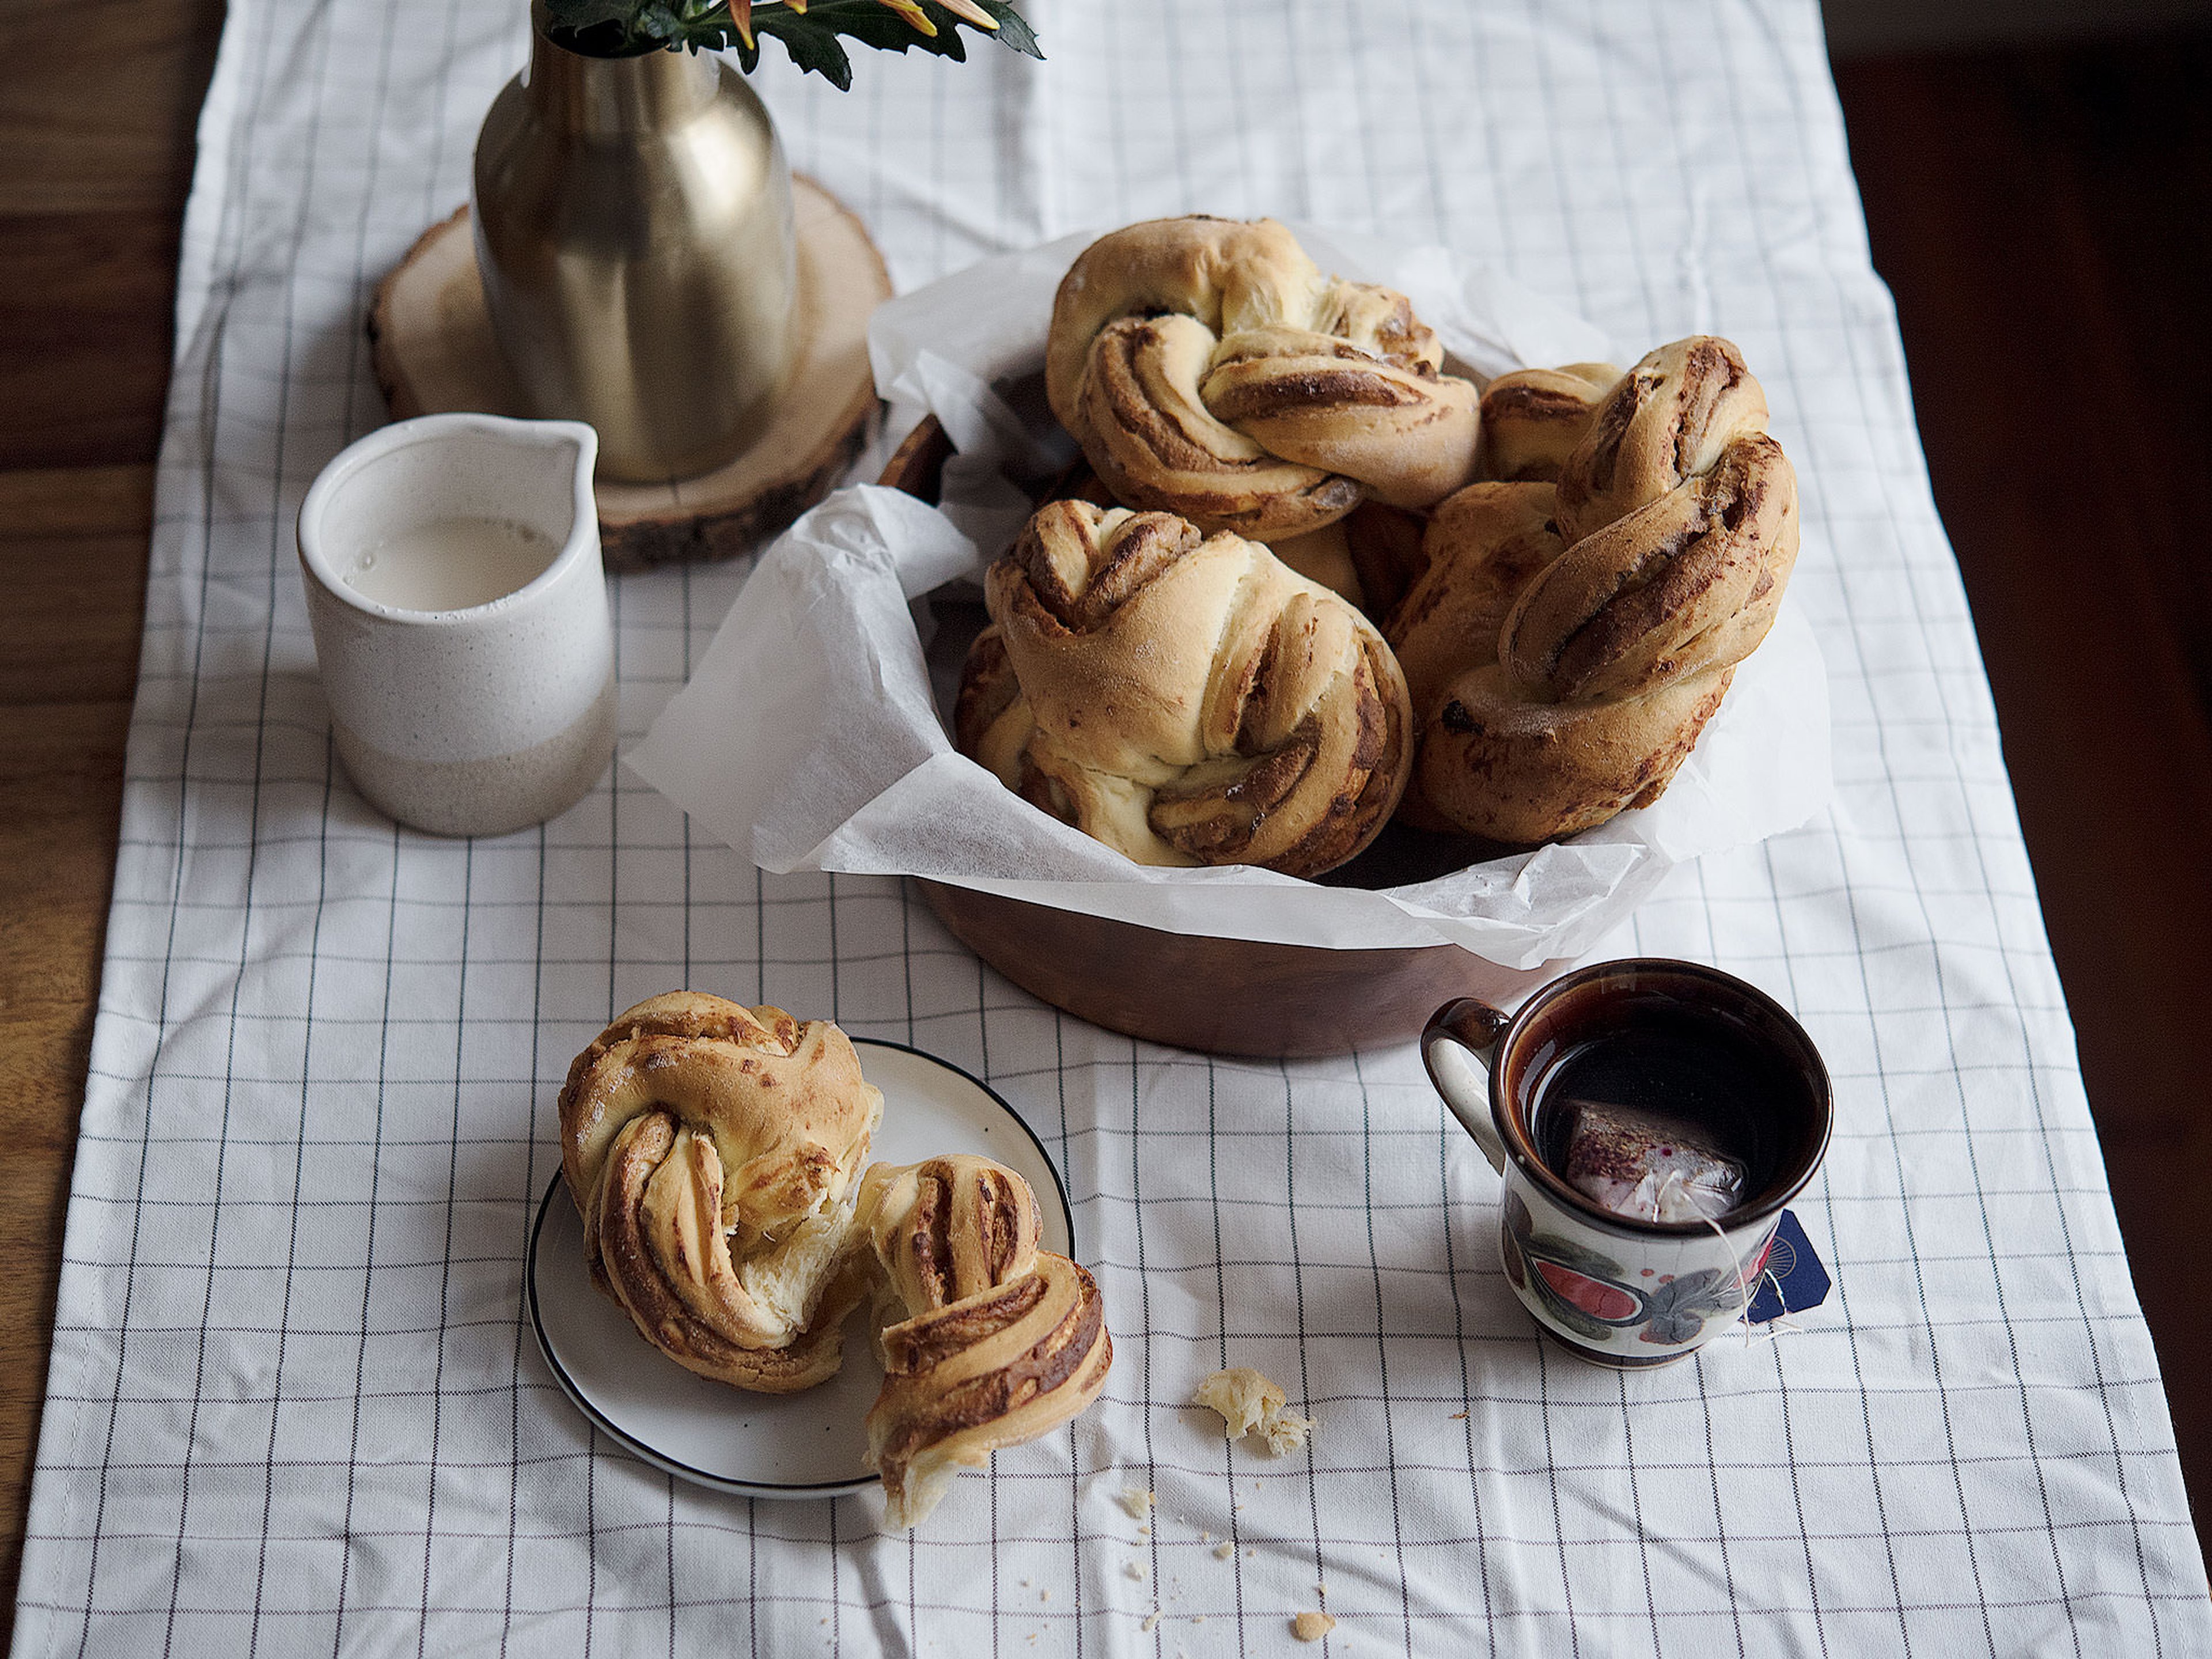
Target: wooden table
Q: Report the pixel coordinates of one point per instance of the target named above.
(97, 99)
(97, 105)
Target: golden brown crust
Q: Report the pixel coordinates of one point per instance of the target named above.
(1567, 643)
(1665, 420)
(1184, 700)
(713, 1151)
(1483, 546)
(1520, 772)
(992, 1341)
(1533, 418)
(1209, 370)
(949, 1228)
(1686, 582)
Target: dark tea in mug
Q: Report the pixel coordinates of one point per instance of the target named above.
(1664, 1093)
(1662, 1109)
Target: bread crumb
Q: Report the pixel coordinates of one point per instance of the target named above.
(1152, 1620)
(1044, 1595)
(1459, 1417)
(1312, 1627)
(1131, 1569)
(1224, 1550)
(1138, 1503)
(1144, 1532)
(1246, 1401)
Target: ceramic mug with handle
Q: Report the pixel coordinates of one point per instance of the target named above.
(1615, 1289)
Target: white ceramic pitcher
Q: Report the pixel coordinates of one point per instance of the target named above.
(482, 719)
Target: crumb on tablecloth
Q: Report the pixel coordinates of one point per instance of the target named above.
(1312, 1627)
(1246, 1401)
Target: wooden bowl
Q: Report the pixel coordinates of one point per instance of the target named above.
(1223, 996)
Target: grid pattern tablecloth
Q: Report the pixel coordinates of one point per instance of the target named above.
(293, 1406)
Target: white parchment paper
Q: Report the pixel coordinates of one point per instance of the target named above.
(809, 738)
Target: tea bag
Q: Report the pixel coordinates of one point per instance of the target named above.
(1648, 1166)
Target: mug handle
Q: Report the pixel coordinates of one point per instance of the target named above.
(1459, 1035)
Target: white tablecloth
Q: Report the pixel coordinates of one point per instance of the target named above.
(294, 1407)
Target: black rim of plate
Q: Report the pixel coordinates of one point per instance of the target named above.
(659, 1459)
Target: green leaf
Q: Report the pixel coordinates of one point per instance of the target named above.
(877, 26)
(617, 27)
(1013, 30)
(597, 28)
(810, 49)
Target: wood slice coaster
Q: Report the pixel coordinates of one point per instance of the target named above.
(435, 352)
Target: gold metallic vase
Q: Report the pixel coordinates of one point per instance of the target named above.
(633, 227)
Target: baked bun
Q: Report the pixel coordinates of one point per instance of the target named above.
(1209, 370)
(990, 1341)
(1566, 645)
(1533, 418)
(712, 1149)
(1368, 556)
(1185, 698)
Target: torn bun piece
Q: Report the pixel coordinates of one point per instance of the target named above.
(987, 1342)
(713, 1151)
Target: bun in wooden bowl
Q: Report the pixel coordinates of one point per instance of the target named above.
(1214, 994)
(1186, 699)
(1566, 643)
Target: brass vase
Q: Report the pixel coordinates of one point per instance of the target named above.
(633, 228)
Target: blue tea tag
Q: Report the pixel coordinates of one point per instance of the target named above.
(1792, 1278)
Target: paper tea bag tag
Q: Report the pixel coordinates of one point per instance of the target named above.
(1791, 1278)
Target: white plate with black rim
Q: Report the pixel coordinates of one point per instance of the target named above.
(764, 1445)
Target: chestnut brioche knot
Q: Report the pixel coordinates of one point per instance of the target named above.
(713, 1151)
(1209, 370)
(1678, 514)
(1567, 642)
(1184, 699)
(988, 1340)
(1533, 418)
